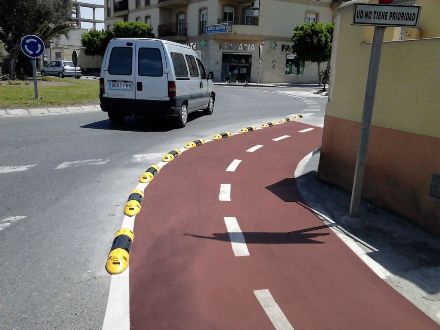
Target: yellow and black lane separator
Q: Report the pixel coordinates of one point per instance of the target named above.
(118, 257)
(195, 143)
(220, 136)
(295, 117)
(247, 129)
(149, 174)
(134, 201)
(269, 124)
(171, 155)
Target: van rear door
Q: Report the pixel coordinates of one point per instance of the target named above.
(152, 80)
(119, 73)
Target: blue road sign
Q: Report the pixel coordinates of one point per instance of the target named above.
(32, 46)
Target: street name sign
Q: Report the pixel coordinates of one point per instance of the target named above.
(380, 16)
(385, 15)
(218, 28)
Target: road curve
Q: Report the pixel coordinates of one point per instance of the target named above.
(239, 249)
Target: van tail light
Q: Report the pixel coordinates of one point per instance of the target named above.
(171, 89)
(101, 86)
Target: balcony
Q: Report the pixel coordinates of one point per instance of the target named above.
(120, 6)
(172, 3)
(172, 31)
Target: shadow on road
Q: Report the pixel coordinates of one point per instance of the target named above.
(302, 236)
(140, 124)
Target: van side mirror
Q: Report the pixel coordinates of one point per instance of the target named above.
(210, 75)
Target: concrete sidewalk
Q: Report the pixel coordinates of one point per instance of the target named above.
(56, 110)
(402, 254)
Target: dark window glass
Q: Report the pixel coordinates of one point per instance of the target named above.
(121, 61)
(193, 71)
(179, 64)
(201, 69)
(150, 62)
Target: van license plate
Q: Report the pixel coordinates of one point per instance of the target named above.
(124, 85)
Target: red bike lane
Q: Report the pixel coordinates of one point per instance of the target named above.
(184, 272)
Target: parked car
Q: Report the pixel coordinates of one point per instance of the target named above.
(152, 77)
(61, 69)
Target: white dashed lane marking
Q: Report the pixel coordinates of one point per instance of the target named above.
(281, 138)
(233, 166)
(146, 157)
(225, 192)
(12, 169)
(255, 148)
(9, 221)
(236, 237)
(77, 163)
(306, 130)
(273, 311)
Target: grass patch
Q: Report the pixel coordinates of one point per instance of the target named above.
(53, 91)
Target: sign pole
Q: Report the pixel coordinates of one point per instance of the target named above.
(34, 73)
(370, 94)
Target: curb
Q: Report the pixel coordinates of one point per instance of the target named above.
(21, 112)
(118, 258)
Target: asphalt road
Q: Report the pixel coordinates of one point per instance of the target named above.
(64, 180)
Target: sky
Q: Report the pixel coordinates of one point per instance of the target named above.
(88, 13)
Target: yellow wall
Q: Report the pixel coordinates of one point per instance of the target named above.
(407, 97)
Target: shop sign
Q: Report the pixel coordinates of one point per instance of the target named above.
(237, 47)
(218, 28)
(287, 48)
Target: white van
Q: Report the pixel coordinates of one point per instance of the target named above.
(153, 77)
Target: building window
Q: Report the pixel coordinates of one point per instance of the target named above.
(147, 2)
(181, 24)
(311, 18)
(228, 14)
(58, 56)
(148, 20)
(138, 3)
(203, 20)
(109, 11)
(138, 19)
(250, 17)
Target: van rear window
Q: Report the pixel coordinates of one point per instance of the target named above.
(150, 62)
(121, 61)
(179, 64)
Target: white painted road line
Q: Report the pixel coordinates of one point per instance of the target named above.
(233, 166)
(147, 157)
(306, 130)
(273, 311)
(117, 313)
(281, 138)
(255, 148)
(77, 163)
(225, 192)
(9, 221)
(12, 169)
(236, 237)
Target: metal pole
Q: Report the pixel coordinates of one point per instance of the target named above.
(370, 93)
(259, 64)
(34, 72)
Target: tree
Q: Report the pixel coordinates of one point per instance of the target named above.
(95, 42)
(45, 18)
(313, 42)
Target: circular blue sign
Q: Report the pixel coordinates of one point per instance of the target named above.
(32, 46)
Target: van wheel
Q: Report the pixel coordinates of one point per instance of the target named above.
(182, 119)
(116, 118)
(210, 109)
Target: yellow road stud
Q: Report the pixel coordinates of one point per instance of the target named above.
(149, 174)
(269, 124)
(118, 257)
(195, 143)
(220, 136)
(132, 208)
(171, 155)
